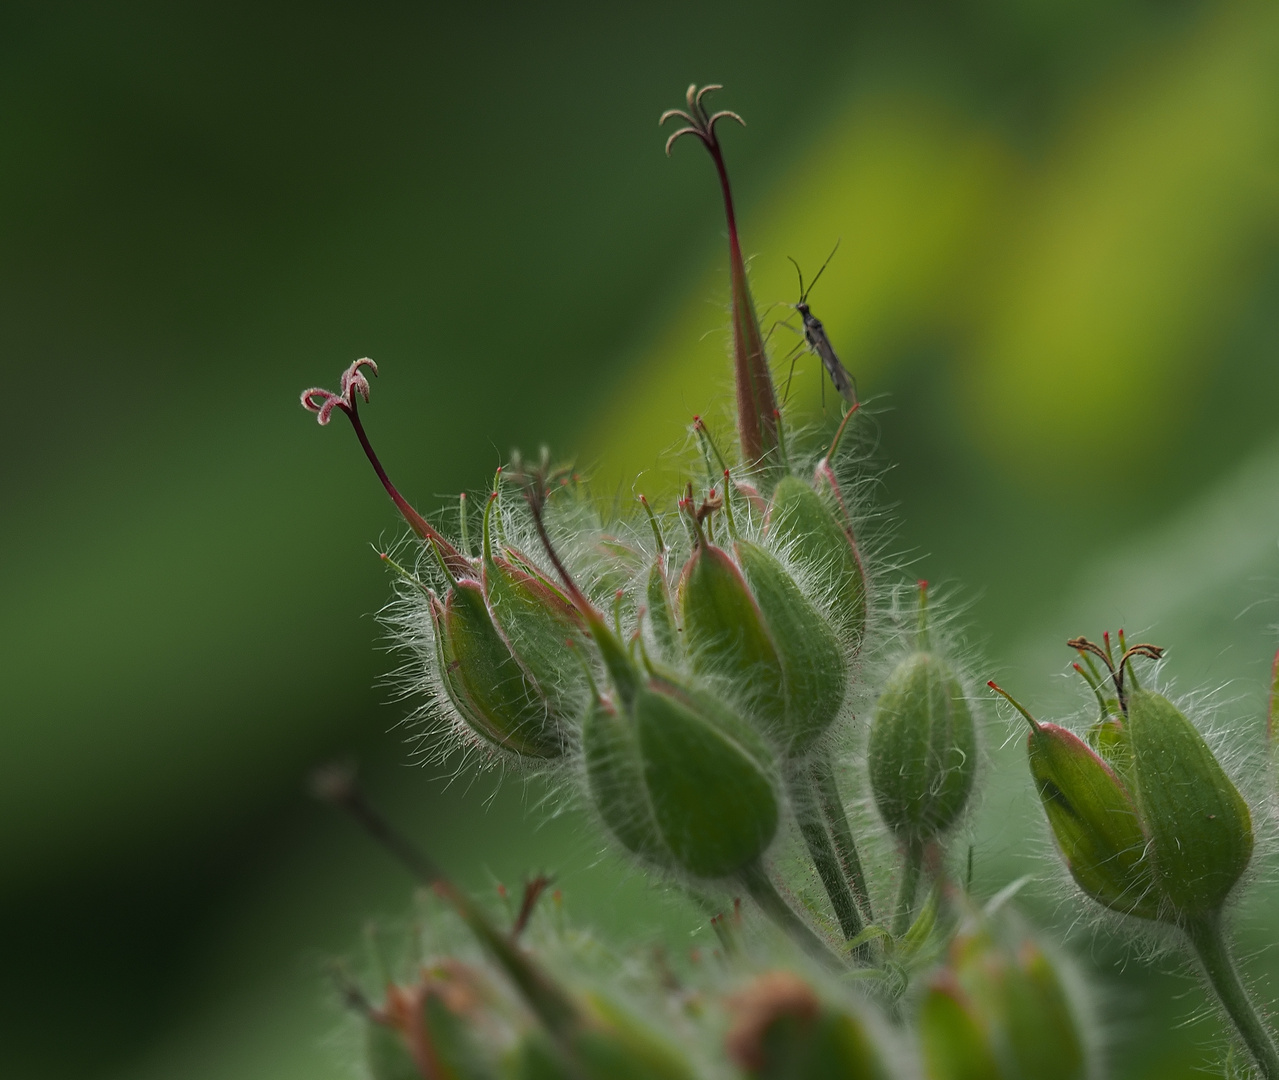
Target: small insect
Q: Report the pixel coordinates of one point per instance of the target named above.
(818, 342)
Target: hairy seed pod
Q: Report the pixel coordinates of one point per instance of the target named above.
(1094, 821)
(804, 524)
(661, 614)
(922, 752)
(813, 669)
(998, 1010)
(1200, 828)
(747, 621)
(1164, 833)
(491, 691)
(680, 779)
(725, 635)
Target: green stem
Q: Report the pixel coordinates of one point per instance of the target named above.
(845, 847)
(1210, 946)
(911, 866)
(820, 849)
(760, 889)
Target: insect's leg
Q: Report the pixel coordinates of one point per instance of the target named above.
(794, 359)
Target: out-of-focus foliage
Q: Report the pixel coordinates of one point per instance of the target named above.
(1058, 268)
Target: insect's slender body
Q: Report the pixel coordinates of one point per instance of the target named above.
(818, 343)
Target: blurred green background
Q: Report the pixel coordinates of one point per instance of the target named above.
(1059, 280)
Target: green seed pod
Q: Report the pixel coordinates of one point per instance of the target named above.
(783, 1031)
(1092, 815)
(1164, 834)
(725, 635)
(804, 524)
(488, 687)
(813, 668)
(679, 778)
(1094, 821)
(748, 622)
(661, 615)
(923, 748)
(539, 625)
(998, 1011)
(1199, 825)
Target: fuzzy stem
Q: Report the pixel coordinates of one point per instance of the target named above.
(808, 814)
(760, 889)
(911, 866)
(547, 1000)
(842, 834)
(1210, 946)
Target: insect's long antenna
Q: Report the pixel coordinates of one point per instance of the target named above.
(812, 283)
(802, 294)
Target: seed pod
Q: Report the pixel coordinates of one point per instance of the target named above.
(804, 524)
(998, 1011)
(923, 748)
(679, 778)
(1094, 821)
(725, 635)
(783, 1031)
(1164, 834)
(1200, 828)
(657, 599)
(540, 626)
(748, 622)
(661, 615)
(491, 691)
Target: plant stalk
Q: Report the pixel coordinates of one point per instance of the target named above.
(756, 882)
(1210, 946)
(911, 866)
(841, 833)
(820, 849)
